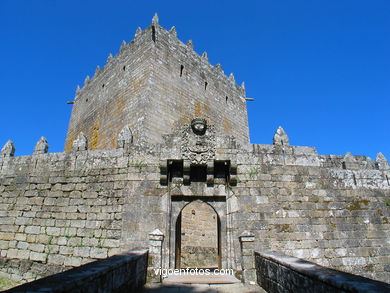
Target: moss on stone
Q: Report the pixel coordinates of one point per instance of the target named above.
(7, 283)
(357, 204)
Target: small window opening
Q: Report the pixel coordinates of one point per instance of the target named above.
(103, 85)
(86, 99)
(205, 85)
(227, 98)
(175, 169)
(198, 173)
(388, 181)
(124, 68)
(181, 70)
(354, 179)
(221, 169)
(193, 212)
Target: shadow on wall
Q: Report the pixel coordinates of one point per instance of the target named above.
(120, 273)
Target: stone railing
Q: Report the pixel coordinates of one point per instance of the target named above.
(277, 272)
(120, 273)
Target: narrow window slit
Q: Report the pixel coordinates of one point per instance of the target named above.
(227, 98)
(181, 70)
(354, 179)
(124, 68)
(205, 85)
(153, 33)
(103, 85)
(388, 181)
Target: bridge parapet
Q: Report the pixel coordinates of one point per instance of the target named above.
(124, 272)
(277, 272)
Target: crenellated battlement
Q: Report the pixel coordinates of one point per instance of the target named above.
(154, 84)
(278, 153)
(153, 35)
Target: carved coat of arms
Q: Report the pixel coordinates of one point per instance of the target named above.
(198, 142)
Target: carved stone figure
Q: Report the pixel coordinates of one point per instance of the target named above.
(198, 142)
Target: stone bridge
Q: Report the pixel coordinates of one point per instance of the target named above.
(129, 272)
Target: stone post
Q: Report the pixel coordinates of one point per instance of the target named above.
(155, 256)
(248, 257)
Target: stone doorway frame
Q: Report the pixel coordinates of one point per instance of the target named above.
(219, 206)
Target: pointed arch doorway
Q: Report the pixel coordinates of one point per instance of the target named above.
(197, 239)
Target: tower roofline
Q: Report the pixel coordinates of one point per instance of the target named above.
(139, 35)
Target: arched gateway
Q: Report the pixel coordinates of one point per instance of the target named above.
(198, 237)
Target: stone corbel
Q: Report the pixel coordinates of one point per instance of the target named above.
(210, 173)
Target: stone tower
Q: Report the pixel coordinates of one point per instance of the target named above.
(154, 84)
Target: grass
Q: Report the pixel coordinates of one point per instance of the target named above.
(7, 284)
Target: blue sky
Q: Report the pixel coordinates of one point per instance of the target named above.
(321, 69)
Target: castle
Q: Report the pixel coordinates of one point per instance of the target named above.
(158, 146)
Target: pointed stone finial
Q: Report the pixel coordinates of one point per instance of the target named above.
(80, 143)
(125, 137)
(280, 137)
(87, 79)
(123, 45)
(156, 235)
(231, 77)
(109, 58)
(350, 162)
(190, 44)
(380, 157)
(77, 89)
(205, 56)
(138, 32)
(247, 236)
(173, 31)
(41, 147)
(243, 85)
(219, 67)
(155, 19)
(97, 71)
(8, 149)
(381, 161)
(349, 158)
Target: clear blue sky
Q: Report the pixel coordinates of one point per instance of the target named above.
(321, 69)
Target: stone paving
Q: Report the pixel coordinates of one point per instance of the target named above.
(209, 288)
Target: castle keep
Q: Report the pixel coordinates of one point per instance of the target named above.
(158, 148)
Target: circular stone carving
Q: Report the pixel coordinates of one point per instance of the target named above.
(199, 126)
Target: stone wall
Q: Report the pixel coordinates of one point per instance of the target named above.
(119, 273)
(295, 203)
(116, 96)
(186, 85)
(67, 209)
(277, 272)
